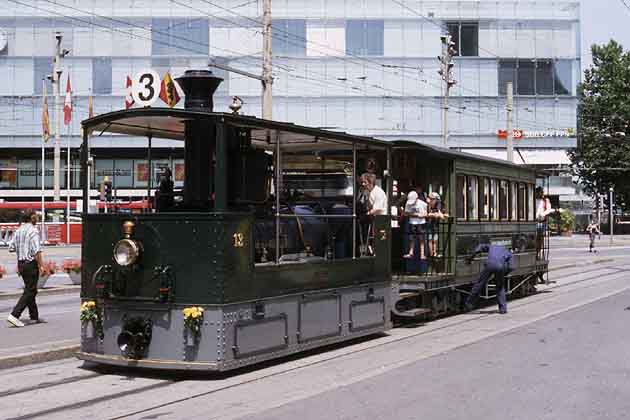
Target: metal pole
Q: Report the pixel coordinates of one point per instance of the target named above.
(445, 92)
(43, 230)
(611, 220)
(354, 200)
(68, 192)
(278, 186)
(267, 82)
(85, 156)
(510, 133)
(149, 183)
(56, 86)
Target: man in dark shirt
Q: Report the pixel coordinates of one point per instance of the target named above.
(498, 263)
(164, 197)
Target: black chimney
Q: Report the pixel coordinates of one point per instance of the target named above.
(199, 87)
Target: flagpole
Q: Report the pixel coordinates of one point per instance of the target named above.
(43, 232)
(68, 193)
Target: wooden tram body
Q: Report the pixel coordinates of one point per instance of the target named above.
(278, 257)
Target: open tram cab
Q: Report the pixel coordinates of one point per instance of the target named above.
(263, 253)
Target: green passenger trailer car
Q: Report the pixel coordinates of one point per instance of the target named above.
(484, 201)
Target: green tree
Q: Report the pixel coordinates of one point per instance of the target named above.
(602, 158)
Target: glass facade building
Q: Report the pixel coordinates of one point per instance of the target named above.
(367, 67)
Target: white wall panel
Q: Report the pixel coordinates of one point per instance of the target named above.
(83, 41)
(488, 78)
(525, 40)
(402, 39)
(564, 40)
(227, 42)
(325, 40)
(24, 41)
(430, 40)
(488, 39)
(18, 77)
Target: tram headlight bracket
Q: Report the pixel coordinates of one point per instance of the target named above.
(127, 252)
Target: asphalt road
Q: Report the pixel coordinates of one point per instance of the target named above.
(561, 354)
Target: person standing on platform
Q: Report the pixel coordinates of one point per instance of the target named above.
(26, 244)
(416, 212)
(498, 264)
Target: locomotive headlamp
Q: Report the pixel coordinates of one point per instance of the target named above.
(126, 252)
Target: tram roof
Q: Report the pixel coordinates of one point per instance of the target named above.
(170, 124)
(455, 154)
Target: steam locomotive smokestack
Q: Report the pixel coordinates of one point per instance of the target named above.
(199, 87)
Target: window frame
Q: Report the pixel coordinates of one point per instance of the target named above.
(457, 38)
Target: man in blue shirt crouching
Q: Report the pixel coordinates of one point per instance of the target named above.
(499, 263)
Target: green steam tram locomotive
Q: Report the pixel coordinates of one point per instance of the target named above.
(266, 251)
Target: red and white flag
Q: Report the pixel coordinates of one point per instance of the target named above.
(67, 104)
(128, 98)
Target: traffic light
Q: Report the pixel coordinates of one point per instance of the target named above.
(598, 202)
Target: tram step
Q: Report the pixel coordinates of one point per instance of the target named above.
(405, 295)
(415, 312)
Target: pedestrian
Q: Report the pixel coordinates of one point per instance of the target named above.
(498, 264)
(592, 229)
(26, 244)
(434, 217)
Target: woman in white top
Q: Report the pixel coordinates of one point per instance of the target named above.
(416, 211)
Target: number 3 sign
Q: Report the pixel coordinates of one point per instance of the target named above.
(146, 87)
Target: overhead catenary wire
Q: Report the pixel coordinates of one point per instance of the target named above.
(372, 61)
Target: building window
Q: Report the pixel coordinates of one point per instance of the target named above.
(536, 77)
(42, 68)
(102, 75)
(184, 36)
(365, 37)
(289, 37)
(465, 35)
(472, 197)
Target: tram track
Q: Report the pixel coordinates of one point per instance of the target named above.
(250, 375)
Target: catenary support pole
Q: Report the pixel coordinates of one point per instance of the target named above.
(611, 219)
(267, 82)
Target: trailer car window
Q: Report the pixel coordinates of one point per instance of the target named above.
(461, 197)
(503, 199)
(530, 202)
(472, 198)
(522, 202)
(484, 199)
(514, 201)
(494, 199)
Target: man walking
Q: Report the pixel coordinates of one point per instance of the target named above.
(26, 245)
(592, 230)
(498, 263)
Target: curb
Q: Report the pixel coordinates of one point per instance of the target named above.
(38, 357)
(584, 264)
(43, 292)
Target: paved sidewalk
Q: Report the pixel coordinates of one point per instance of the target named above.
(580, 240)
